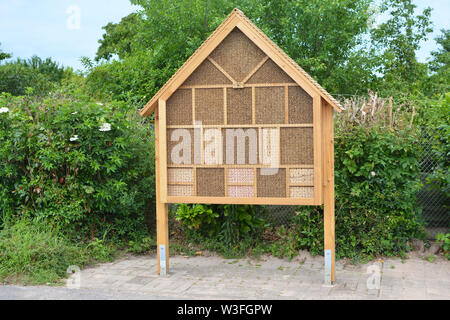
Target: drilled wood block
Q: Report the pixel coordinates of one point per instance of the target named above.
(302, 192)
(301, 176)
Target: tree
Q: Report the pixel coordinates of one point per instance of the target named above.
(4, 55)
(439, 81)
(37, 73)
(325, 37)
(120, 38)
(397, 41)
(321, 36)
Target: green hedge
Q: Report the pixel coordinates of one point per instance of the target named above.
(86, 167)
(377, 180)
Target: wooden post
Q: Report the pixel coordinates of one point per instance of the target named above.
(162, 213)
(328, 191)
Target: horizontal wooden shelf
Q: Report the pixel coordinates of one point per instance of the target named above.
(240, 166)
(249, 200)
(249, 85)
(243, 126)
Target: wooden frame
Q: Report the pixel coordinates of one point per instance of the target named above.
(323, 105)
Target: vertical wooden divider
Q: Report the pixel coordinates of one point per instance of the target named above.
(193, 160)
(286, 104)
(225, 122)
(317, 143)
(253, 105)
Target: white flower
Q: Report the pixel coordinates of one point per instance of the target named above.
(373, 173)
(74, 138)
(74, 113)
(4, 110)
(105, 127)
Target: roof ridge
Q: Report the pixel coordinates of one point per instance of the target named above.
(242, 16)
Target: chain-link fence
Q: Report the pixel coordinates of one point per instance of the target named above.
(432, 199)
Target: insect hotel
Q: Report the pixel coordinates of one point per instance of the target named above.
(241, 123)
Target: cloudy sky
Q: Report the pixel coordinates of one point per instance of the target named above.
(68, 29)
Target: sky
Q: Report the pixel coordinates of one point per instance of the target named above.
(69, 29)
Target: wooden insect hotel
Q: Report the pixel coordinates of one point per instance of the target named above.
(241, 123)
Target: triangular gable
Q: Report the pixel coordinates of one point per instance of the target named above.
(275, 55)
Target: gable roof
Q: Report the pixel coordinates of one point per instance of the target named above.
(239, 20)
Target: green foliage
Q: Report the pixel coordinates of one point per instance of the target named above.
(86, 167)
(239, 222)
(439, 80)
(198, 215)
(4, 55)
(36, 73)
(326, 37)
(155, 42)
(436, 116)
(335, 41)
(33, 252)
(227, 223)
(144, 245)
(377, 179)
(120, 38)
(444, 240)
(397, 41)
(134, 79)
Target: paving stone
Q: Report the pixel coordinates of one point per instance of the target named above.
(270, 278)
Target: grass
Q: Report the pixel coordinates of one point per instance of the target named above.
(34, 253)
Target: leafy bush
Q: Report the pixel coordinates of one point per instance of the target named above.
(377, 179)
(36, 73)
(86, 167)
(194, 216)
(437, 117)
(32, 252)
(227, 223)
(444, 240)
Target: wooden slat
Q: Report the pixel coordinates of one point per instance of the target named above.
(252, 85)
(317, 142)
(180, 183)
(258, 66)
(306, 184)
(195, 181)
(225, 73)
(286, 104)
(226, 181)
(240, 166)
(253, 200)
(250, 184)
(225, 106)
(255, 181)
(193, 107)
(244, 126)
(163, 149)
(253, 106)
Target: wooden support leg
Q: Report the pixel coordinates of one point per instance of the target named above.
(328, 193)
(162, 231)
(162, 213)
